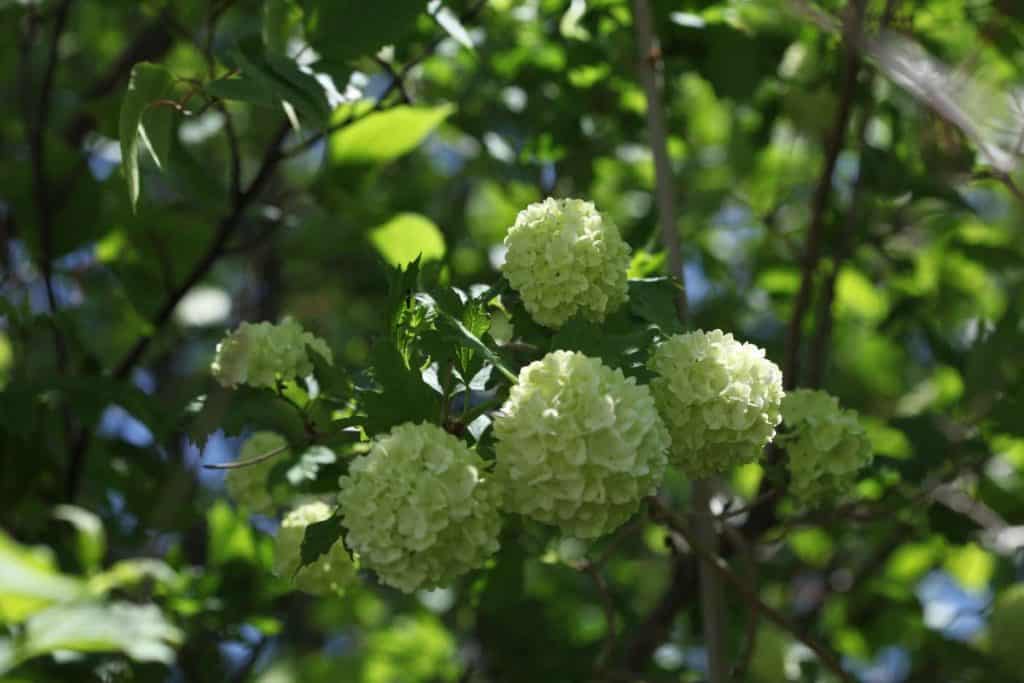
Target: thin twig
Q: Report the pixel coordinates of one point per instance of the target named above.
(826, 656)
(249, 462)
(819, 203)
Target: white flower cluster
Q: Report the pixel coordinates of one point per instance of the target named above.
(249, 486)
(331, 573)
(826, 446)
(720, 399)
(578, 445)
(418, 510)
(564, 258)
(259, 354)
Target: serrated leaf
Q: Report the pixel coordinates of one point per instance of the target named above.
(653, 300)
(148, 83)
(386, 135)
(402, 396)
(236, 410)
(341, 30)
(625, 350)
(318, 539)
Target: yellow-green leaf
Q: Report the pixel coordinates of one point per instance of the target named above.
(386, 135)
(407, 236)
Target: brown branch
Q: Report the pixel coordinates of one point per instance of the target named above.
(819, 203)
(742, 665)
(844, 244)
(608, 649)
(662, 513)
(226, 228)
(650, 66)
(37, 122)
(677, 596)
(656, 627)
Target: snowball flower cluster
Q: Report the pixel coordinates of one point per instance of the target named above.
(826, 446)
(418, 508)
(564, 258)
(331, 573)
(249, 486)
(578, 445)
(720, 399)
(259, 354)
(1006, 627)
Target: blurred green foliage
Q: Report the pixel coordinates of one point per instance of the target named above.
(178, 167)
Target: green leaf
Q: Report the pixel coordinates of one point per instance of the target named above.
(230, 536)
(402, 397)
(386, 135)
(30, 581)
(406, 237)
(618, 346)
(139, 631)
(341, 30)
(91, 538)
(131, 572)
(318, 539)
(971, 566)
(236, 410)
(654, 300)
(148, 83)
(280, 17)
(241, 89)
(283, 80)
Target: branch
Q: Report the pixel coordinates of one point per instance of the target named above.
(712, 602)
(662, 513)
(819, 203)
(37, 122)
(650, 66)
(844, 244)
(227, 227)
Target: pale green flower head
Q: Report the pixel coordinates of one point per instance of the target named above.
(719, 397)
(826, 445)
(579, 445)
(419, 508)
(260, 354)
(249, 486)
(331, 573)
(564, 258)
(1006, 627)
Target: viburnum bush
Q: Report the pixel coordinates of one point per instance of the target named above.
(541, 400)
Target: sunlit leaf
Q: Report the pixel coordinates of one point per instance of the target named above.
(386, 135)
